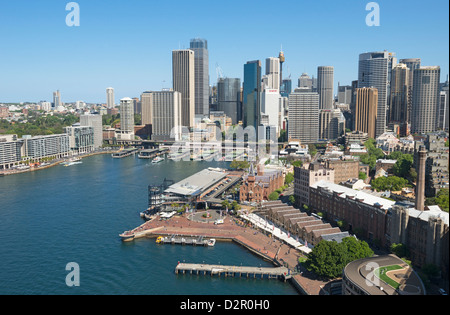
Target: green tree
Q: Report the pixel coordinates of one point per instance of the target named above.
(403, 165)
(289, 178)
(291, 199)
(239, 165)
(391, 183)
(274, 196)
(328, 258)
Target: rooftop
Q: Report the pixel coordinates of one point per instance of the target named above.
(197, 183)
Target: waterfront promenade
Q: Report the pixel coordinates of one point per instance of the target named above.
(263, 244)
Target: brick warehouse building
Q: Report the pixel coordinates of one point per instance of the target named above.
(258, 186)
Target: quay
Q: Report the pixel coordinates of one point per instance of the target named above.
(247, 235)
(123, 153)
(152, 153)
(281, 273)
(185, 240)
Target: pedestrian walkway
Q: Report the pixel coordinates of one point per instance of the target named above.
(268, 226)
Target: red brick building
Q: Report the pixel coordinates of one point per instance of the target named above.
(258, 186)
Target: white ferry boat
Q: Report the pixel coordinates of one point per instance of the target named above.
(157, 160)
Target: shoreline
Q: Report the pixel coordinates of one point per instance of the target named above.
(34, 169)
(255, 241)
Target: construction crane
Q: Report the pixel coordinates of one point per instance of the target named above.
(219, 72)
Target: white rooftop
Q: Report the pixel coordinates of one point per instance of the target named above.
(196, 183)
(345, 191)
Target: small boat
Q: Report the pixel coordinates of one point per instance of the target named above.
(73, 163)
(159, 240)
(212, 242)
(157, 160)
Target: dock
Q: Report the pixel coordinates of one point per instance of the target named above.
(281, 273)
(186, 240)
(123, 153)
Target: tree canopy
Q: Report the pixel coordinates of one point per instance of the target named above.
(328, 258)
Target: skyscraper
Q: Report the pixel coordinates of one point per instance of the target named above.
(412, 64)
(398, 109)
(201, 61)
(147, 108)
(282, 59)
(273, 73)
(252, 94)
(166, 118)
(56, 99)
(183, 72)
(126, 119)
(228, 97)
(444, 109)
(110, 97)
(374, 70)
(303, 116)
(366, 111)
(425, 99)
(325, 77)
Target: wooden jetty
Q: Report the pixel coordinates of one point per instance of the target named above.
(281, 273)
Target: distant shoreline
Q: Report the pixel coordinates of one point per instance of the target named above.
(33, 169)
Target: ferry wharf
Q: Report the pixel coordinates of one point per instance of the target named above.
(256, 241)
(234, 271)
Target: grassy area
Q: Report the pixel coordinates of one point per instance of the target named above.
(381, 273)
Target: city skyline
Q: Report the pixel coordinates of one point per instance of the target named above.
(45, 55)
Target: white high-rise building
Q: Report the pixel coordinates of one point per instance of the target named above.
(110, 97)
(126, 119)
(270, 107)
(94, 121)
(56, 99)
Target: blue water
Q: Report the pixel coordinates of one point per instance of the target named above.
(52, 217)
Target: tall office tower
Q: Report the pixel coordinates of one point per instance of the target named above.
(425, 99)
(282, 60)
(353, 105)
(126, 119)
(420, 187)
(412, 64)
(366, 113)
(270, 107)
(146, 108)
(331, 124)
(398, 109)
(94, 121)
(251, 97)
(183, 73)
(286, 87)
(305, 81)
(273, 73)
(166, 118)
(344, 94)
(201, 65)
(325, 78)
(375, 71)
(444, 110)
(110, 97)
(56, 99)
(228, 97)
(303, 116)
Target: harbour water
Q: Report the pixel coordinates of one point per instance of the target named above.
(52, 217)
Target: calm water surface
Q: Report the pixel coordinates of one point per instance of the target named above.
(63, 214)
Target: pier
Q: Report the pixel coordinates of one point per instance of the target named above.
(281, 273)
(185, 240)
(123, 153)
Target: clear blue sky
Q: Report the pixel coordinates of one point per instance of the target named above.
(128, 44)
